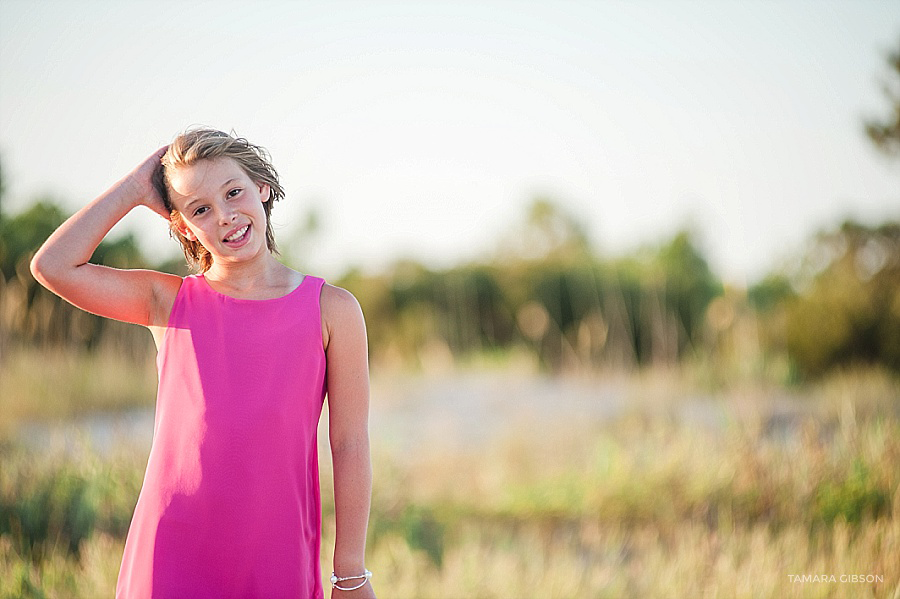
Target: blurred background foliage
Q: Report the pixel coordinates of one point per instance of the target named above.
(548, 294)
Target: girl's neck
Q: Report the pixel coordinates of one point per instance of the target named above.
(245, 277)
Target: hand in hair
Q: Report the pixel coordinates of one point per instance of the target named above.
(146, 180)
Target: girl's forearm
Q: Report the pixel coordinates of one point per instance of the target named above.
(73, 243)
(352, 501)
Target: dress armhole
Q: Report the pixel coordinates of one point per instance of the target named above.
(320, 314)
(175, 303)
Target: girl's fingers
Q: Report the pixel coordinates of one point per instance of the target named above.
(149, 177)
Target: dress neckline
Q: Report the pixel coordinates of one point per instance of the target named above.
(243, 299)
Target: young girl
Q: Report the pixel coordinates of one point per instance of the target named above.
(246, 352)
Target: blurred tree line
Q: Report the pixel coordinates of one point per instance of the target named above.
(546, 292)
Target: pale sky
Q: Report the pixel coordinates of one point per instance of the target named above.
(424, 129)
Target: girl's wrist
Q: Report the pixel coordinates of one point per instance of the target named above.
(349, 568)
(132, 191)
(346, 559)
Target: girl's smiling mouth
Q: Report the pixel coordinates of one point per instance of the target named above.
(237, 237)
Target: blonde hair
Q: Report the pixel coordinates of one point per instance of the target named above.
(198, 144)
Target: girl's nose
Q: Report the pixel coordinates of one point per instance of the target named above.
(226, 216)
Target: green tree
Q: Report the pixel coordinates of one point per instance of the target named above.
(22, 234)
(843, 304)
(885, 132)
(690, 284)
(849, 311)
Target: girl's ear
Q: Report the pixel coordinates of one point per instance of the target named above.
(178, 224)
(265, 191)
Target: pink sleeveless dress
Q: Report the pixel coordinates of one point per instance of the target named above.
(230, 500)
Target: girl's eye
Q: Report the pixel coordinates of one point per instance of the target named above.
(234, 192)
(200, 210)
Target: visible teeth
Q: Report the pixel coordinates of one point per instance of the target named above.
(237, 234)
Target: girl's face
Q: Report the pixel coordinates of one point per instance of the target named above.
(220, 207)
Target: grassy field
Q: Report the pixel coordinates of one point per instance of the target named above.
(758, 492)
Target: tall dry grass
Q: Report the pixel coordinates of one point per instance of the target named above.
(57, 384)
(728, 496)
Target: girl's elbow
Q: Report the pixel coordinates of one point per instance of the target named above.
(46, 269)
(39, 267)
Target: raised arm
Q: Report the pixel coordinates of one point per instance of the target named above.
(347, 375)
(61, 264)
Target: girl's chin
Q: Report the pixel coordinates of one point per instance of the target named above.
(241, 254)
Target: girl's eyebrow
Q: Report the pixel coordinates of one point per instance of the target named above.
(225, 184)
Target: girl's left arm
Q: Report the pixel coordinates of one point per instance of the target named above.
(347, 377)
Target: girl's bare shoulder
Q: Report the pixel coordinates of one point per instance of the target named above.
(341, 314)
(337, 300)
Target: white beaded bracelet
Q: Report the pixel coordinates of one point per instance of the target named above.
(335, 580)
